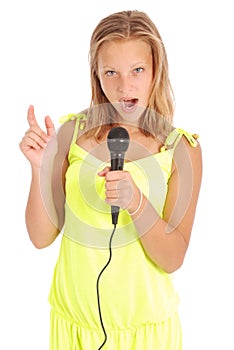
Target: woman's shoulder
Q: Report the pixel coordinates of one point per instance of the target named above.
(178, 134)
(187, 151)
(65, 131)
(71, 122)
(183, 145)
(72, 118)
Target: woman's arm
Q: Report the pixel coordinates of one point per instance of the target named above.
(46, 153)
(166, 240)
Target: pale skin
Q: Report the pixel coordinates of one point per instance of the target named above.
(125, 72)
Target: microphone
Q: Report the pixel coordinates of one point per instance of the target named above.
(118, 142)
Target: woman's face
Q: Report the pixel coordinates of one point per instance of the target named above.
(125, 70)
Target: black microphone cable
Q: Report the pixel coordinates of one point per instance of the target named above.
(117, 142)
(97, 287)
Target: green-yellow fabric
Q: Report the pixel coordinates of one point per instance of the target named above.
(138, 301)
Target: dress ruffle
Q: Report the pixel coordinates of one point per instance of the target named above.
(68, 335)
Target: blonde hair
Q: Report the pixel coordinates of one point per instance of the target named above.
(131, 25)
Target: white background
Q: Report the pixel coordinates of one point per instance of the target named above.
(44, 62)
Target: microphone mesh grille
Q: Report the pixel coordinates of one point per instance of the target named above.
(118, 139)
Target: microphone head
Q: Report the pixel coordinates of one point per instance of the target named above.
(118, 139)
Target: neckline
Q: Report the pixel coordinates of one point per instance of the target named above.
(100, 161)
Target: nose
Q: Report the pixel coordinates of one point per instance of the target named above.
(124, 85)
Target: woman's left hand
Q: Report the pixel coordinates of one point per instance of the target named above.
(121, 190)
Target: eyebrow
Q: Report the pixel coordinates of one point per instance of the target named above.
(134, 65)
(107, 66)
(138, 64)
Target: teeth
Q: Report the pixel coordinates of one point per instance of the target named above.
(129, 104)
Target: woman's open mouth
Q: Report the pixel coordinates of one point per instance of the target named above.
(128, 104)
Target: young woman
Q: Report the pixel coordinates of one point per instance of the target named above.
(112, 286)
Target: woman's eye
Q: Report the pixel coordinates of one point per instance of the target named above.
(110, 73)
(138, 69)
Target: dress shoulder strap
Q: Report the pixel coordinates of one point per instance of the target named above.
(175, 136)
(80, 119)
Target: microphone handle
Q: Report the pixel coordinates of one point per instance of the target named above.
(114, 214)
(117, 162)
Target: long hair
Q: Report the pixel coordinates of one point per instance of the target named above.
(131, 25)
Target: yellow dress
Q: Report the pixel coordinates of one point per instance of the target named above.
(138, 301)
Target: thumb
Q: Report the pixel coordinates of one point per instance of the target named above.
(104, 171)
(49, 126)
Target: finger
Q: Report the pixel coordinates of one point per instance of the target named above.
(37, 132)
(49, 126)
(118, 185)
(30, 144)
(104, 171)
(39, 139)
(31, 117)
(117, 175)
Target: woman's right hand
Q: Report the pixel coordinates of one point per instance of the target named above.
(35, 139)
